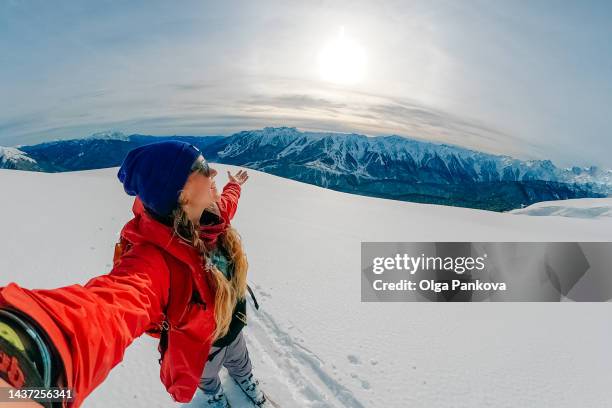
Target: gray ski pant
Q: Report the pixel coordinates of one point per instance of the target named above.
(234, 357)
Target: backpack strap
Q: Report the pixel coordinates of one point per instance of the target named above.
(121, 248)
(212, 355)
(182, 288)
(164, 326)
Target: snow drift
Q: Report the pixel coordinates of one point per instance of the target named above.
(576, 208)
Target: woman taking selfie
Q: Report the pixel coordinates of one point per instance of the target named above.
(225, 255)
(160, 284)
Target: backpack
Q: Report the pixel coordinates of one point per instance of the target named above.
(239, 317)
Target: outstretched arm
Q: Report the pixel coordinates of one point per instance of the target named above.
(92, 325)
(228, 202)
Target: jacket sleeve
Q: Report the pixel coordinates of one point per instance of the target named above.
(228, 203)
(92, 324)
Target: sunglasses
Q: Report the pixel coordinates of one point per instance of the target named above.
(202, 166)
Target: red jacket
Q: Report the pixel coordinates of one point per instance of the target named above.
(92, 325)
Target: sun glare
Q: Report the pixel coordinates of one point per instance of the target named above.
(342, 60)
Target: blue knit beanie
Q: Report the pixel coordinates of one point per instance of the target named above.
(157, 172)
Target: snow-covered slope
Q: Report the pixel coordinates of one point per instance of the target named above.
(313, 343)
(579, 208)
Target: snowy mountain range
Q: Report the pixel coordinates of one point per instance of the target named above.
(392, 167)
(366, 157)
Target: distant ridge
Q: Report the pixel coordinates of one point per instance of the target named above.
(392, 167)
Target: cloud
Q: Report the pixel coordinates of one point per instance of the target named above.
(340, 111)
(295, 101)
(500, 77)
(375, 115)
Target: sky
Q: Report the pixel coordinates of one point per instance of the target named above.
(531, 79)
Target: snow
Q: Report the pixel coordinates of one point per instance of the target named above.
(313, 343)
(576, 208)
(109, 135)
(11, 154)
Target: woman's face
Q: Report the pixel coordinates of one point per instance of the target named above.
(198, 193)
(215, 192)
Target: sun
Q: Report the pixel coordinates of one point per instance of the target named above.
(342, 60)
